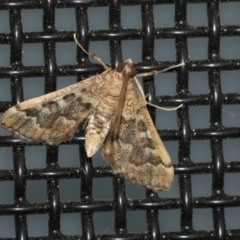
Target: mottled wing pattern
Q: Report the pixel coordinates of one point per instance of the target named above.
(54, 118)
(138, 154)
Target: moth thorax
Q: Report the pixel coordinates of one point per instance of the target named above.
(127, 68)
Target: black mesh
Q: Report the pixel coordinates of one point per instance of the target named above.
(217, 202)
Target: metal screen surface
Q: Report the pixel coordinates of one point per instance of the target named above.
(57, 192)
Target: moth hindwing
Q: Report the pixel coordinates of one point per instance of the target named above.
(113, 111)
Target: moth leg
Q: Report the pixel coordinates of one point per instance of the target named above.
(154, 72)
(163, 108)
(92, 55)
(150, 74)
(153, 105)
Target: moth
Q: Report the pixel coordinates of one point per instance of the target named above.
(112, 110)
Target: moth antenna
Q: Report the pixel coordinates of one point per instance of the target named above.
(92, 55)
(115, 124)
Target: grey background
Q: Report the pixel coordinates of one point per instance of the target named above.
(166, 85)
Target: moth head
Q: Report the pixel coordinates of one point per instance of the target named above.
(127, 68)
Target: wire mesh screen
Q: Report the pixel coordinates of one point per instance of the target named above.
(51, 192)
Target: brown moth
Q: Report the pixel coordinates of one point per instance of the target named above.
(112, 109)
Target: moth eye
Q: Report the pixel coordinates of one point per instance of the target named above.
(133, 71)
(120, 67)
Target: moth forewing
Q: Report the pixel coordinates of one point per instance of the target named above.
(138, 153)
(54, 118)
